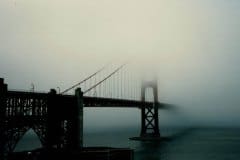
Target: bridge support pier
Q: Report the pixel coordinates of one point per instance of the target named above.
(65, 121)
(149, 119)
(79, 119)
(149, 115)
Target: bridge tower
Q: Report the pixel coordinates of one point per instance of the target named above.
(149, 119)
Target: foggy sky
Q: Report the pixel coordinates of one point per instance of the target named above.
(193, 47)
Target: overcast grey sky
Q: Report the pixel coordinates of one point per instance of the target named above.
(193, 46)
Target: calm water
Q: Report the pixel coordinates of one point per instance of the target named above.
(186, 144)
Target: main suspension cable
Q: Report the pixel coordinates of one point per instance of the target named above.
(115, 71)
(75, 85)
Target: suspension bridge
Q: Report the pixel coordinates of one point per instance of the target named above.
(57, 118)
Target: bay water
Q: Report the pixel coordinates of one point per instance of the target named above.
(201, 143)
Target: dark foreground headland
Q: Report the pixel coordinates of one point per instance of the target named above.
(88, 153)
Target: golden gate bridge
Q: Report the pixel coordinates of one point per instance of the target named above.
(57, 118)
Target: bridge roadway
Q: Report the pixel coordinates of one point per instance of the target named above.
(87, 100)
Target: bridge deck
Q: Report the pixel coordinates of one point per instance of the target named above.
(88, 101)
